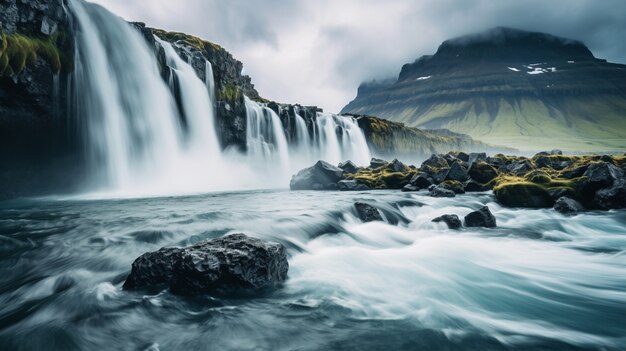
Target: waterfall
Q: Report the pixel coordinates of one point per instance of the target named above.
(141, 135)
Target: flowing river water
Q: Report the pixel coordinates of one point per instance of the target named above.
(539, 281)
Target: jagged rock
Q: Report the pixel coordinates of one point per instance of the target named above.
(397, 166)
(235, 261)
(410, 187)
(367, 213)
(439, 175)
(476, 157)
(440, 191)
(523, 194)
(436, 161)
(348, 167)
(482, 172)
(351, 185)
(520, 168)
(568, 205)
(451, 220)
(320, 176)
(603, 174)
(558, 193)
(481, 218)
(421, 181)
(611, 198)
(377, 163)
(457, 172)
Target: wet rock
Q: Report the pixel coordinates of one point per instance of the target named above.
(439, 175)
(367, 213)
(232, 262)
(377, 163)
(351, 185)
(348, 167)
(481, 218)
(397, 166)
(602, 174)
(410, 187)
(453, 185)
(476, 157)
(568, 205)
(436, 161)
(320, 176)
(611, 198)
(451, 220)
(482, 172)
(557, 193)
(474, 186)
(457, 172)
(421, 180)
(440, 191)
(523, 194)
(519, 168)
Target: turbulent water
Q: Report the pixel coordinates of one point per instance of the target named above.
(540, 281)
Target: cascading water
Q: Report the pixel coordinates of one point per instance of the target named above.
(333, 139)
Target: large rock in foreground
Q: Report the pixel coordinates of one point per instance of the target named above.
(321, 175)
(232, 262)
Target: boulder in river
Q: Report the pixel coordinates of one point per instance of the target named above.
(321, 175)
(351, 185)
(348, 167)
(367, 213)
(523, 194)
(233, 262)
(566, 205)
(441, 191)
(451, 220)
(481, 218)
(457, 172)
(482, 172)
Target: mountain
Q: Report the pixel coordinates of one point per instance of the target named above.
(509, 87)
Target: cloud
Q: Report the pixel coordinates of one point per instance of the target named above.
(318, 52)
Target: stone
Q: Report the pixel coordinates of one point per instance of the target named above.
(482, 172)
(436, 161)
(440, 191)
(453, 185)
(481, 218)
(474, 186)
(457, 172)
(232, 262)
(421, 180)
(523, 194)
(410, 187)
(440, 175)
(367, 213)
(377, 163)
(611, 198)
(476, 157)
(348, 167)
(351, 185)
(397, 166)
(451, 220)
(566, 205)
(519, 168)
(317, 177)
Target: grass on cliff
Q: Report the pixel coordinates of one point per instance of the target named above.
(190, 40)
(230, 92)
(18, 50)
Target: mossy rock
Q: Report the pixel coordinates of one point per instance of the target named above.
(18, 51)
(482, 172)
(523, 194)
(453, 185)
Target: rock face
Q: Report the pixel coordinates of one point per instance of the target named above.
(320, 176)
(367, 213)
(229, 263)
(481, 218)
(452, 221)
(533, 90)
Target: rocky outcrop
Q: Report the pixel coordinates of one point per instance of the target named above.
(320, 176)
(508, 87)
(233, 262)
(452, 221)
(37, 147)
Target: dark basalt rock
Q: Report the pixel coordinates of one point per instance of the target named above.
(453, 185)
(397, 166)
(568, 205)
(474, 186)
(611, 198)
(320, 176)
(436, 161)
(457, 172)
(481, 218)
(482, 172)
(377, 163)
(233, 262)
(367, 213)
(351, 185)
(420, 181)
(476, 157)
(523, 194)
(451, 220)
(348, 167)
(519, 168)
(440, 191)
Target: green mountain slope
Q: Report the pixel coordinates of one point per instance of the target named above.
(508, 87)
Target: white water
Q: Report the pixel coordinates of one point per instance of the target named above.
(145, 135)
(332, 138)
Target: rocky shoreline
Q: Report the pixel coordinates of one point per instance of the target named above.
(569, 184)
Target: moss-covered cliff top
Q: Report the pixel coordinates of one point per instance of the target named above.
(193, 41)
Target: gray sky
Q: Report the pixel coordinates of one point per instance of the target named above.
(317, 52)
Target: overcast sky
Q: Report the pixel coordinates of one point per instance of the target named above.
(317, 52)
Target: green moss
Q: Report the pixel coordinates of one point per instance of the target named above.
(190, 40)
(229, 92)
(523, 194)
(17, 51)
